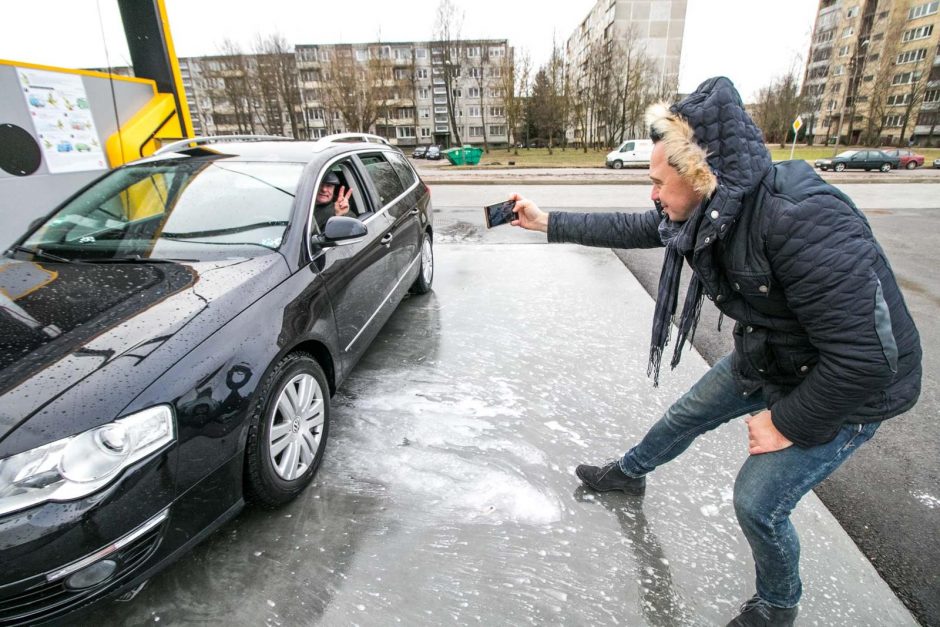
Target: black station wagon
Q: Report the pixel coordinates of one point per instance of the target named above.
(170, 338)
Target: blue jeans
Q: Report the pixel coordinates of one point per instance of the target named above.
(768, 486)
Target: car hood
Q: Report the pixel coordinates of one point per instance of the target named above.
(111, 328)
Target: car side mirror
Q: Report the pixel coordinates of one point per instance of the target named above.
(339, 231)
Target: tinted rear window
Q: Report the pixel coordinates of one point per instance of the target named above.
(383, 175)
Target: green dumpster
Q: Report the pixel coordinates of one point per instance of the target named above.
(471, 155)
(454, 155)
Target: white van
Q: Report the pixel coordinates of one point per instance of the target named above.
(630, 152)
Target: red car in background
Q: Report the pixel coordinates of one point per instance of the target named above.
(909, 158)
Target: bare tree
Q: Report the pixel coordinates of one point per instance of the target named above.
(778, 104)
(514, 78)
(236, 89)
(479, 74)
(447, 42)
(352, 89)
(920, 74)
(278, 78)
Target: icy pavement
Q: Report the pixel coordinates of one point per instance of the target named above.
(448, 494)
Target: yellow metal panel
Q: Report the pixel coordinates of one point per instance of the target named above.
(136, 138)
(175, 67)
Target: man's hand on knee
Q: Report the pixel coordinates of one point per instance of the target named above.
(762, 435)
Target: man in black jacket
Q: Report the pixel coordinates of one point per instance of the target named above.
(825, 348)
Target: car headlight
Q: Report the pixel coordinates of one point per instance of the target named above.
(77, 466)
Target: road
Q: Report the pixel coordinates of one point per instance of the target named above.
(887, 496)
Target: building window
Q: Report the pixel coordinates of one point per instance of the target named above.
(476, 131)
(497, 112)
(424, 92)
(404, 131)
(496, 72)
(497, 92)
(844, 50)
(898, 100)
(906, 78)
(497, 51)
(925, 9)
(921, 32)
(473, 51)
(401, 74)
(317, 114)
(473, 92)
(932, 95)
(362, 55)
(421, 53)
(425, 131)
(911, 56)
(848, 31)
(474, 112)
(852, 12)
(421, 72)
(893, 120)
(839, 71)
(424, 112)
(475, 72)
(402, 54)
(498, 129)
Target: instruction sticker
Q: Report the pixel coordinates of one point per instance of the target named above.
(58, 106)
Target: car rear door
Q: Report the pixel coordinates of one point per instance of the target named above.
(397, 191)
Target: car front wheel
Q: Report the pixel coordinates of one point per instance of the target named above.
(422, 284)
(288, 432)
(618, 164)
(885, 167)
(911, 165)
(840, 167)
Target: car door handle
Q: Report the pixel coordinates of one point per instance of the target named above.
(415, 211)
(387, 240)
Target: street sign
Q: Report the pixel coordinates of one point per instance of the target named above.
(797, 123)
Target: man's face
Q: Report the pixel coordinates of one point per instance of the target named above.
(674, 193)
(325, 194)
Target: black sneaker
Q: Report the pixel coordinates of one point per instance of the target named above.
(610, 477)
(756, 612)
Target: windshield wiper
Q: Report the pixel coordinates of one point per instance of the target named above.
(137, 259)
(38, 252)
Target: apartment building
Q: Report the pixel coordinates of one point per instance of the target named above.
(873, 75)
(417, 98)
(653, 29)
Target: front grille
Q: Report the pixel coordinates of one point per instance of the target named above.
(48, 599)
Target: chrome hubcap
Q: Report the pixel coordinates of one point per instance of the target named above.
(296, 427)
(427, 260)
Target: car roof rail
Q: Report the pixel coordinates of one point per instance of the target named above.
(193, 142)
(349, 137)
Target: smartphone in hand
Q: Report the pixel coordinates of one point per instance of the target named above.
(500, 213)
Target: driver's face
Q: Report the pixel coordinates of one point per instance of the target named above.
(326, 193)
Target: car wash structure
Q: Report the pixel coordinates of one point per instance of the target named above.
(61, 128)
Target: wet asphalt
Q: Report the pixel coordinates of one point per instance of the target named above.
(448, 495)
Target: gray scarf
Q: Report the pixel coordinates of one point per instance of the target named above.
(679, 238)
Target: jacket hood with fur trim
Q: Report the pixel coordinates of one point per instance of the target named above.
(713, 143)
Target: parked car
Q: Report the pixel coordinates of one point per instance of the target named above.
(936, 163)
(866, 159)
(433, 153)
(908, 158)
(172, 335)
(419, 152)
(630, 152)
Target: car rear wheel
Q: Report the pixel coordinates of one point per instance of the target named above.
(911, 165)
(422, 284)
(618, 164)
(840, 167)
(288, 432)
(885, 167)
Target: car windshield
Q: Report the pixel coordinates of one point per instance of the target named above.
(847, 154)
(198, 208)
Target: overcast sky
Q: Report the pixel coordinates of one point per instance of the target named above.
(750, 41)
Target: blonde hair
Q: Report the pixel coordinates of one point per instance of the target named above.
(687, 157)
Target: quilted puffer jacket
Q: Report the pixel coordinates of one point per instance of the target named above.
(821, 325)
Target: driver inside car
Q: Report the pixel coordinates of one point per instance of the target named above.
(325, 206)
